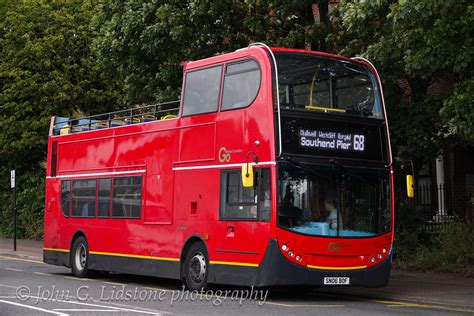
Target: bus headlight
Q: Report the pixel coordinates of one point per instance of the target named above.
(292, 253)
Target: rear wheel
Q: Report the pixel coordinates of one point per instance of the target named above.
(196, 264)
(80, 257)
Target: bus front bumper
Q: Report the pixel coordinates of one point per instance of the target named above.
(276, 270)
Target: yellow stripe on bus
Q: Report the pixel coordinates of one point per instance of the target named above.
(336, 268)
(242, 264)
(255, 265)
(56, 249)
(132, 256)
(117, 254)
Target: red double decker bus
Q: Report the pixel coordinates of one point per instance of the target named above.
(274, 169)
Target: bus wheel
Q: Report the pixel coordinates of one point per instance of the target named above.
(196, 267)
(79, 257)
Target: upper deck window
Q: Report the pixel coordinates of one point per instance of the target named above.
(201, 91)
(314, 83)
(241, 84)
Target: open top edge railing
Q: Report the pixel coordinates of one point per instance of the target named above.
(136, 115)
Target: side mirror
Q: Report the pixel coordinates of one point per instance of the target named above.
(410, 190)
(247, 175)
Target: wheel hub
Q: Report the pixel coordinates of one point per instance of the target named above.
(81, 257)
(197, 267)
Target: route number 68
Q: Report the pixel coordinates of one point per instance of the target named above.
(359, 141)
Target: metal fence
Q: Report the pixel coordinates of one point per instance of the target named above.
(435, 202)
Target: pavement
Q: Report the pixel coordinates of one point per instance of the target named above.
(433, 288)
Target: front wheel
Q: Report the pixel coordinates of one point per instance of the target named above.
(80, 257)
(196, 265)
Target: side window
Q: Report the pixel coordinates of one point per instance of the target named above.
(241, 84)
(104, 197)
(65, 197)
(241, 203)
(83, 197)
(127, 197)
(201, 91)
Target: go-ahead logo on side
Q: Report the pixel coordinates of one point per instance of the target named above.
(224, 155)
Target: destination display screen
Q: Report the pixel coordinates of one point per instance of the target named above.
(333, 138)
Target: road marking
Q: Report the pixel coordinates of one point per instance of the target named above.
(11, 269)
(41, 273)
(35, 308)
(113, 283)
(9, 286)
(394, 303)
(427, 306)
(84, 310)
(20, 259)
(78, 279)
(151, 288)
(111, 307)
(305, 305)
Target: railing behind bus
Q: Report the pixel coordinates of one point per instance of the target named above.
(136, 115)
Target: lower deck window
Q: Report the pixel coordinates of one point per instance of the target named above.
(127, 197)
(65, 197)
(239, 203)
(83, 197)
(104, 197)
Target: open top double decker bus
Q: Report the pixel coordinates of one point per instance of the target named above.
(275, 170)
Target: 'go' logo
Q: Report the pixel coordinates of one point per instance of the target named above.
(223, 155)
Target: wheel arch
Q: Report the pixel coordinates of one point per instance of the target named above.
(194, 238)
(76, 235)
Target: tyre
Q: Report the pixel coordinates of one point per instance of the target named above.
(196, 267)
(80, 258)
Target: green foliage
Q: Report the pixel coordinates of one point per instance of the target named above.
(410, 234)
(449, 248)
(144, 42)
(46, 68)
(458, 110)
(415, 45)
(30, 206)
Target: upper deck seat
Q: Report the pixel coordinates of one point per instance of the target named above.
(147, 118)
(115, 123)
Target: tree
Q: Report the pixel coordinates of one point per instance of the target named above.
(46, 69)
(424, 51)
(144, 42)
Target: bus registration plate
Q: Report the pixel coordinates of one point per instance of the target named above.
(337, 281)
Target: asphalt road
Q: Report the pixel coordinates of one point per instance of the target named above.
(29, 287)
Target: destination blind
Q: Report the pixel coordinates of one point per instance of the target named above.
(333, 138)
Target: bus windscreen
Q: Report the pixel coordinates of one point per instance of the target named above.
(310, 82)
(333, 200)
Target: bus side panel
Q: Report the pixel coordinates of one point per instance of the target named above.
(52, 221)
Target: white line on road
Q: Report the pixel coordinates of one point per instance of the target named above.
(11, 269)
(78, 279)
(84, 310)
(305, 305)
(41, 273)
(123, 307)
(20, 259)
(33, 307)
(113, 307)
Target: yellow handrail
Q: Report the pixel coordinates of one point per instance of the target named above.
(312, 87)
